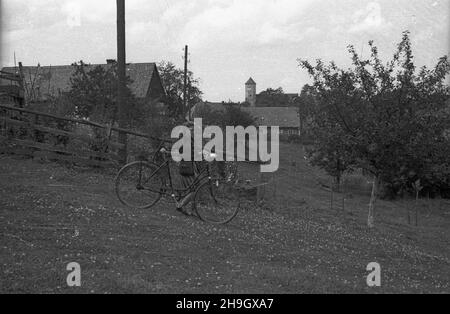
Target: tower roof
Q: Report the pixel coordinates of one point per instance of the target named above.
(250, 82)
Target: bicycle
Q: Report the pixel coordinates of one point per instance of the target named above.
(214, 194)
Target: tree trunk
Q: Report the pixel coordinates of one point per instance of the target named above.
(373, 199)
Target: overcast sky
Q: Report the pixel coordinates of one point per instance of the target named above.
(229, 40)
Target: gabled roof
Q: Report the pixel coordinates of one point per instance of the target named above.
(53, 80)
(250, 82)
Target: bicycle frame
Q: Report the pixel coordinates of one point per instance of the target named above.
(198, 178)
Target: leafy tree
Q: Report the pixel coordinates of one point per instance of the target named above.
(94, 93)
(235, 116)
(173, 82)
(390, 119)
(305, 105)
(329, 152)
(230, 115)
(272, 98)
(209, 116)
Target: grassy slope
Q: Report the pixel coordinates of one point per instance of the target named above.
(51, 216)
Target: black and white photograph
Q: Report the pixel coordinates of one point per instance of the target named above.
(224, 154)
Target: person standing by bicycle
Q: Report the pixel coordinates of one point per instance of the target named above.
(188, 169)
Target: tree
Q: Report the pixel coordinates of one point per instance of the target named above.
(173, 81)
(391, 120)
(230, 115)
(329, 151)
(305, 105)
(209, 116)
(94, 93)
(273, 98)
(235, 116)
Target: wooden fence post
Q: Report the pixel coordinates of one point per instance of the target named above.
(274, 183)
(332, 196)
(259, 188)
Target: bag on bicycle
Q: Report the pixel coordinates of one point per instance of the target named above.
(186, 168)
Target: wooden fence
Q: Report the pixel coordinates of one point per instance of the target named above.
(44, 135)
(85, 143)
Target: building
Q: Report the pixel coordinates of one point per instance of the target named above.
(267, 100)
(250, 92)
(43, 82)
(286, 118)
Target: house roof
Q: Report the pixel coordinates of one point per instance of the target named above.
(53, 80)
(250, 82)
(284, 117)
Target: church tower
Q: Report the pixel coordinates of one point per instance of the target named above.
(250, 92)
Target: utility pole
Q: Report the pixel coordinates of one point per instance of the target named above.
(185, 104)
(121, 99)
(189, 97)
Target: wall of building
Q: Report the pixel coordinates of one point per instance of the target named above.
(250, 94)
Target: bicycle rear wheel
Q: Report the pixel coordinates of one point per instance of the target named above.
(139, 185)
(217, 201)
(224, 170)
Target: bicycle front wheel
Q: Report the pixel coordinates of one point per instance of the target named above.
(139, 185)
(217, 201)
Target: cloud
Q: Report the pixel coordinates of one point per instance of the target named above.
(229, 40)
(25, 15)
(247, 22)
(73, 11)
(369, 19)
(202, 23)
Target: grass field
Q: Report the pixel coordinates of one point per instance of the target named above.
(52, 215)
